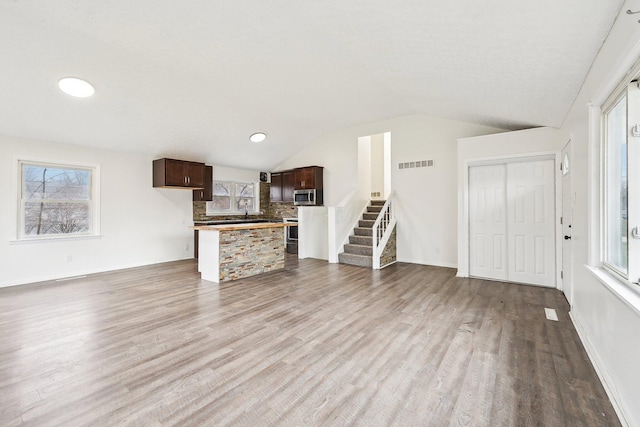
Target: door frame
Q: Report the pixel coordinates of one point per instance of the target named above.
(463, 263)
(566, 286)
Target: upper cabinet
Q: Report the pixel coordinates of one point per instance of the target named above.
(171, 173)
(276, 186)
(288, 180)
(308, 178)
(282, 185)
(205, 194)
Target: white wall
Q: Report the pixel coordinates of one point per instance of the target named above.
(377, 165)
(313, 239)
(139, 224)
(426, 201)
(221, 173)
(608, 324)
(525, 143)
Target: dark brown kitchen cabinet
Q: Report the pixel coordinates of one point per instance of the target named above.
(276, 186)
(288, 182)
(308, 178)
(282, 185)
(205, 194)
(172, 173)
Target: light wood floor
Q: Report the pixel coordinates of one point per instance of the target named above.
(315, 344)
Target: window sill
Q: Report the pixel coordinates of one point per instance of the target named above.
(54, 239)
(618, 287)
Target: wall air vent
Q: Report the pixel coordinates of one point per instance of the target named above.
(417, 164)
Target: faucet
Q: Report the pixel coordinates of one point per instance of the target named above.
(246, 212)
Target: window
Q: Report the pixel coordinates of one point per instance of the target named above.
(615, 209)
(233, 197)
(621, 187)
(56, 200)
(221, 197)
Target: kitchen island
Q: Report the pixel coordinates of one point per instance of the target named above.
(234, 251)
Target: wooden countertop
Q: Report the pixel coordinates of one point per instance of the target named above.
(245, 226)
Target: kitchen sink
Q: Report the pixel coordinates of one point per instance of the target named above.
(236, 221)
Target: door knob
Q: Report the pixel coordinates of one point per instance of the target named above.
(567, 237)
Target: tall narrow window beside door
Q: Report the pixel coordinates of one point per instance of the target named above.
(621, 188)
(56, 200)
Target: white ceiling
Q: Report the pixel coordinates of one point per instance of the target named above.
(194, 79)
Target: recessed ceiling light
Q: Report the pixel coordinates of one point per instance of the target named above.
(258, 137)
(76, 87)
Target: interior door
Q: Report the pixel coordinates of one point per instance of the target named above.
(531, 224)
(487, 222)
(567, 217)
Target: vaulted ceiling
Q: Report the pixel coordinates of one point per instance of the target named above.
(194, 79)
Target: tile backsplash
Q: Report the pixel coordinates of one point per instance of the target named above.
(284, 210)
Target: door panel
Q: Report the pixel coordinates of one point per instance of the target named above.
(512, 222)
(531, 224)
(487, 226)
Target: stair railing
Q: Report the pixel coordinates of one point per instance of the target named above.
(382, 229)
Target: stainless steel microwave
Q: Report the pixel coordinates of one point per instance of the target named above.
(304, 197)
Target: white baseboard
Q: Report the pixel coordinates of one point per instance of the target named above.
(434, 264)
(605, 379)
(86, 272)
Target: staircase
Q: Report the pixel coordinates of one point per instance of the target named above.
(359, 250)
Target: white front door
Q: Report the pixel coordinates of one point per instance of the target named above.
(567, 216)
(531, 224)
(487, 222)
(511, 222)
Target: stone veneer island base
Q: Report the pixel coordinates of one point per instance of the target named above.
(230, 252)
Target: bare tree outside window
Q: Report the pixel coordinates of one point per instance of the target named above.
(221, 196)
(245, 197)
(55, 200)
(233, 197)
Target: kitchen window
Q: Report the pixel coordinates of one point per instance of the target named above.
(57, 200)
(233, 198)
(621, 183)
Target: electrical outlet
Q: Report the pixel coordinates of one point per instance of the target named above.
(186, 247)
(69, 258)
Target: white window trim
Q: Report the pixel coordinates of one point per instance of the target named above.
(256, 200)
(16, 190)
(604, 160)
(632, 276)
(626, 70)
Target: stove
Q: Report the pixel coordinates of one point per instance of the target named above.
(291, 235)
